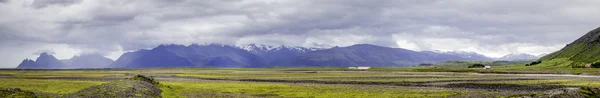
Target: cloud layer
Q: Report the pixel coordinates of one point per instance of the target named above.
(109, 27)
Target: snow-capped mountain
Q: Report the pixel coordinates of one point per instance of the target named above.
(520, 56)
(267, 48)
(276, 54)
(261, 56)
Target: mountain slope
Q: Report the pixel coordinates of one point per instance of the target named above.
(27, 64)
(159, 57)
(369, 55)
(276, 55)
(212, 55)
(583, 50)
(88, 61)
(219, 53)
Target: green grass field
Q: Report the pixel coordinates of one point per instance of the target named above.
(48, 86)
(316, 82)
(244, 89)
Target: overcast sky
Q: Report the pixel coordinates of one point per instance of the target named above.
(110, 27)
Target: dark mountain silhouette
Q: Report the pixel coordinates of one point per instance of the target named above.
(44, 61)
(88, 61)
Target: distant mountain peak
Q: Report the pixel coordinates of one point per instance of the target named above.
(44, 61)
(217, 45)
(27, 63)
(164, 46)
(365, 45)
(455, 52)
(28, 60)
(253, 47)
(464, 54)
(92, 60)
(45, 54)
(171, 45)
(257, 47)
(211, 45)
(518, 56)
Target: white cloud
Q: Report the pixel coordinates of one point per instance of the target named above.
(407, 45)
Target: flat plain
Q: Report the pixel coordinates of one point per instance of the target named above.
(312, 82)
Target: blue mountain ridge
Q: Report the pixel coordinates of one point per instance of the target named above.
(258, 56)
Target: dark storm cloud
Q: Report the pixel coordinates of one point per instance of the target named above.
(491, 27)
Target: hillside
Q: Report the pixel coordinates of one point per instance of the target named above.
(580, 52)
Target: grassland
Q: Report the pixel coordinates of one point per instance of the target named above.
(62, 73)
(246, 89)
(317, 82)
(48, 86)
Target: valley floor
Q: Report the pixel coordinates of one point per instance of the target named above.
(193, 83)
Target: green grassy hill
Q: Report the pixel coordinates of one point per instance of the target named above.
(584, 50)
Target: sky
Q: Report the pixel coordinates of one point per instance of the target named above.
(111, 27)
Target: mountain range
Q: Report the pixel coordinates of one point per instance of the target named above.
(277, 55)
(212, 55)
(371, 55)
(254, 56)
(48, 61)
(45, 61)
